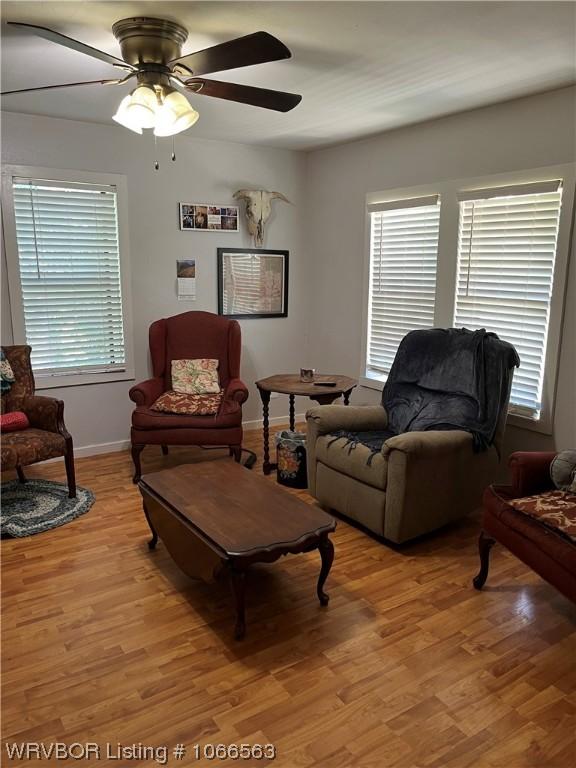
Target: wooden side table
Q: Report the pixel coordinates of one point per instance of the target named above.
(290, 384)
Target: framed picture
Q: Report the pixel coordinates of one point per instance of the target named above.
(201, 217)
(252, 283)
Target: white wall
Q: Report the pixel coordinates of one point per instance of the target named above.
(205, 171)
(324, 232)
(518, 135)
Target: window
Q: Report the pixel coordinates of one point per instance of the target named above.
(66, 282)
(493, 255)
(403, 254)
(506, 254)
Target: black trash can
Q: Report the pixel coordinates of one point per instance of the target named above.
(291, 459)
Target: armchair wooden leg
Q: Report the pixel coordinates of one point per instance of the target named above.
(236, 451)
(136, 451)
(70, 470)
(21, 475)
(165, 450)
(485, 544)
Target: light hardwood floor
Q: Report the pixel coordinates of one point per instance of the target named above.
(408, 667)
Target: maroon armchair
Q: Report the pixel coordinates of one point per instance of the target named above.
(189, 336)
(548, 553)
(47, 436)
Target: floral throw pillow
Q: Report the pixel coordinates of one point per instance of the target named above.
(195, 377)
(6, 373)
(191, 405)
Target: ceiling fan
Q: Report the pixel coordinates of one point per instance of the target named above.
(152, 53)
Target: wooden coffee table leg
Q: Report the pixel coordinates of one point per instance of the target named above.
(154, 540)
(347, 396)
(238, 579)
(327, 554)
(292, 413)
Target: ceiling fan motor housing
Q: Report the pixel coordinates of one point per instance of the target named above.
(146, 40)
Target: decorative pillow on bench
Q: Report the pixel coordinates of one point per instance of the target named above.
(563, 471)
(192, 405)
(195, 377)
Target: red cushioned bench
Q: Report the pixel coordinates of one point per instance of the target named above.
(547, 550)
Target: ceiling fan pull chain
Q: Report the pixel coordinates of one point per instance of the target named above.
(173, 149)
(156, 163)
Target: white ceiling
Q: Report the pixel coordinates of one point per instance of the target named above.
(362, 67)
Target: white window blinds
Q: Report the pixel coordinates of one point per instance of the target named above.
(506, 254)
(69, 260)
(403, 255)
(241, 290)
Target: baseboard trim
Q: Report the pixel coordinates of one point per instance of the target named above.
(98, 448)
(85, 451)
(124, 445)
(274, 421)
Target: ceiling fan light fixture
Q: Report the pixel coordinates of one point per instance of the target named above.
(175, 115)
(123, 117)
(142, 107)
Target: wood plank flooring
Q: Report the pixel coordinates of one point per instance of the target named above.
(408, 667)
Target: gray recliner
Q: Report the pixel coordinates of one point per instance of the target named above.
(415, 481)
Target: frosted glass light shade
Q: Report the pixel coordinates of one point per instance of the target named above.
(175, 115)
(142, 107)
(123, 118)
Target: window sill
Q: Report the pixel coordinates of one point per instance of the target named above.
(543, 425)
(372, 381)
(81, 379)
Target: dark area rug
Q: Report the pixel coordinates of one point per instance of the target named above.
(38, 505)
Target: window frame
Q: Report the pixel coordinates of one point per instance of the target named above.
(447, 269)
(369, 373)
(9, 172)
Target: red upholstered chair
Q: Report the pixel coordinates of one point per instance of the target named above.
(189, 336)
(47, 436)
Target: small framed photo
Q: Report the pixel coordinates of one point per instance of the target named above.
(201, 217)
(252, 283)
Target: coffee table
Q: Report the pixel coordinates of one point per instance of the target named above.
(217, 516)
(290, 384)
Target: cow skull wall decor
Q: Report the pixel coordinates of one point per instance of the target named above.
(258, 210)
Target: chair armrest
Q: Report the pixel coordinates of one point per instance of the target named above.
(45, 413)
(433, 477)
(323, 419)
(429, 443)
(530, 472)
(147, 392)
(352, 418)
(236, 390)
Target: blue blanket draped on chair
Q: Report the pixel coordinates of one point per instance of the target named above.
(444, 379)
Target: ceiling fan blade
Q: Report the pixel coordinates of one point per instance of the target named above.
(69, 42)
(256, 48)
(68, 85)
(245, 94)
